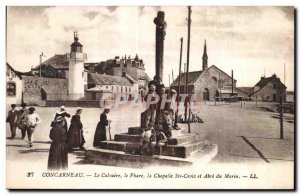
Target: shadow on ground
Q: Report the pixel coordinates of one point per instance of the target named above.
(38, 150)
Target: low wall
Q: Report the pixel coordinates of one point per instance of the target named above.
(76, 103)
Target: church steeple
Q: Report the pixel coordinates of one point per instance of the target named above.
(204, 57)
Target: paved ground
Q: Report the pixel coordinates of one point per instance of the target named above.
(243, 134)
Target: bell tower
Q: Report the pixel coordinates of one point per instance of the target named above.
(76, 59)
(204, 58)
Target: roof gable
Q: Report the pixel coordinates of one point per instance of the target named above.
(17, 73)
(214, 66)
(58, 61)
(193, 76)
(264, 81)
(103, 79)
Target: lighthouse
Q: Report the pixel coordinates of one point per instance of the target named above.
(76, 59)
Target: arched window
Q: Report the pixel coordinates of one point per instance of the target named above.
(215, 79)
(11, 88)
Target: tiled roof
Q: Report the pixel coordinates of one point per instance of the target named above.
(193, 76)
(58, 61)
(265, 81)
(19, 74)
(103, 79)
(249, 90)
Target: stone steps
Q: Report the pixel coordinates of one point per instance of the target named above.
(123, 159)
(182, 150)
(125, 137)
(139, 131)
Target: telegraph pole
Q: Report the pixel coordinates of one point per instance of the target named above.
(179, 83)
(180, 58)
(41, 61)
(188, 64)
(172, 76)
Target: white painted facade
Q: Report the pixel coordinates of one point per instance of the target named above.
(77, 77)
(13, 80)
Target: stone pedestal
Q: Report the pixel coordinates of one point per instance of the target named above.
(182, 149)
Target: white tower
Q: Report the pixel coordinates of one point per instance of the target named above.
(76, 70)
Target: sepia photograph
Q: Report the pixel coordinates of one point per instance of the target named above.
(150, 97)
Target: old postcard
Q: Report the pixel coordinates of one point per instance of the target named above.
(142, 97)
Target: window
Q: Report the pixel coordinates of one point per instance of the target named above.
(215, 79)
(106, 87)
(112, 88)
(274, 85)
(126, 89)
(129, 89)
(11, 89)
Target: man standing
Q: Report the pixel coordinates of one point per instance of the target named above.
(32, 120)
(21, 120)
(12, 119)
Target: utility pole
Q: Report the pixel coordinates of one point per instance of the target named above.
(41, 61)
(284, 74)
(231, 82)
(281, 118)
(172, 76)
(179, 83)
(180, 58)
(188, 64)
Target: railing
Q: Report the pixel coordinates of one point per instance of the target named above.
(75, 55)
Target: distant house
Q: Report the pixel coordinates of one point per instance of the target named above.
(269, 89)
(101, 84)
(290, 96)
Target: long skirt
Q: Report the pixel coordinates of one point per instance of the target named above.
(75, 137)
(100, 135)
(58, 156)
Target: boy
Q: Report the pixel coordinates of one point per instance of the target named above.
(32, 120)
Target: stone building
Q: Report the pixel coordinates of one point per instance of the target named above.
(269, 89)
(75, 79)
(99, 85)
(208, 83)
(33, 90)
(133, 67)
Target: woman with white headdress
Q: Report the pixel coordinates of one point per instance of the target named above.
(63, 113)
(75, 137)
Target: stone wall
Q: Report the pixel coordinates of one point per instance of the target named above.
(227, 82)
(38, 89)
(205, 81)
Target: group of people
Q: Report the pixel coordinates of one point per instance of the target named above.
(65, 139)
(24, 119)
(160, 120)
(159, 123)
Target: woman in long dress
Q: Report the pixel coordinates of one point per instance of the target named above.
(100, 133)
(75, 137)
(62, 112)
(58, 154)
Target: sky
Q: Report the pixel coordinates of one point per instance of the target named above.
(248, 40)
